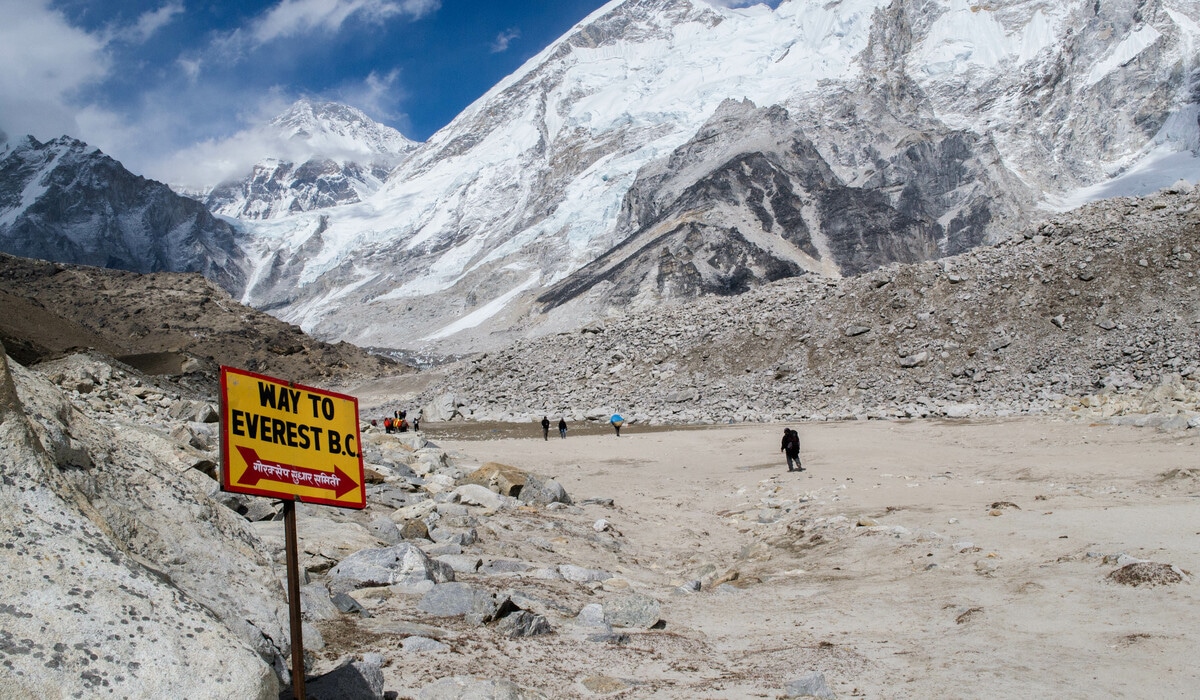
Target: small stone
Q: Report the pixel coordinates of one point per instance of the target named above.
(811, 685)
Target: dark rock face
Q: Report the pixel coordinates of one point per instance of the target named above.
(751, 199)
(65, 202)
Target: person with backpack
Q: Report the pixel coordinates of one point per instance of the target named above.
(562, 428)
(545, 428)
(791, 448)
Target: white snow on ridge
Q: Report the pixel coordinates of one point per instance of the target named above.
(1124, 52)
(1161, 168)
(483, 313)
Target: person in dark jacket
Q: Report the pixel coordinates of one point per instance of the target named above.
(562, 428)
(545, 428)
(791, 448)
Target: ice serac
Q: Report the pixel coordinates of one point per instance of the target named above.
(326, 154)
(664, 149)
(67, 202)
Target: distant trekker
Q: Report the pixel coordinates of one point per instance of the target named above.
(791, 448)
(545, 428)
(617, 421)
(562, 428)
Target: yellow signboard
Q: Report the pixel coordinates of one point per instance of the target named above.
(284, 440)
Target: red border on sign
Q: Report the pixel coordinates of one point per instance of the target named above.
(226, 484)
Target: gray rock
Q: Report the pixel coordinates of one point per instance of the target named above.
(159, 514)
(402, 564)
(592, 615)
(68, 585)
(462, 538)
(578, 574)
(504, 566)
(542, 491)
(316, 604)
(523, 624)
(386, 530)
(347, 604)
(416, 645)
(632, 610)
(401, 628)
(852, 331)
(455, 599)
(811, 685)
(960, 410)
(351, 680)
(474, 494)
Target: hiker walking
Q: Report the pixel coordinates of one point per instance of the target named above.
(545, 428)
(791, 448)
(617, 421)
(562, 428)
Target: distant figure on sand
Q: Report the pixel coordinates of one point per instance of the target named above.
(617, 421)
(562, 428)
(791, 447)
(545, 428)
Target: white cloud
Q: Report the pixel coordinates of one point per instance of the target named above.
(504, 38)
(293, 17)
(216, 160)
(377, 95)
(150, 22)
(44, 61)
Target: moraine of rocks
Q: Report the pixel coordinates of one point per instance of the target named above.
(1095, 312)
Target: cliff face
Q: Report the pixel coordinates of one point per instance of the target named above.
(67, 202)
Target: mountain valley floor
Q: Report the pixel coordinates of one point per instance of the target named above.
(922, 559)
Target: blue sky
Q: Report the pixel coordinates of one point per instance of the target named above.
(145, 79)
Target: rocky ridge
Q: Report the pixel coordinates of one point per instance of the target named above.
(66, 201)
(1095, 312)
(164, 323)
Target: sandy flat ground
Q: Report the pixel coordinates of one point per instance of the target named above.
(911, 559)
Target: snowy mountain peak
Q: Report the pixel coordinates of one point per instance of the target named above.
(337, 131)
(318, 155)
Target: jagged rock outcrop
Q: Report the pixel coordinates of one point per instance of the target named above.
(67, 202)
(114, 581)
(750, 199)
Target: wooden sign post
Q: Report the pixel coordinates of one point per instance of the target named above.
(283, 440)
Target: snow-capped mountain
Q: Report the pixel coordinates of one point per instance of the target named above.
(666, 148)
(317, 155)
(67, 202)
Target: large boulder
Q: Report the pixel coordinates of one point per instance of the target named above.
(441, 409)
(403, 564)
(505, 480)
(541, 491)
(72, 585)
(141, 491)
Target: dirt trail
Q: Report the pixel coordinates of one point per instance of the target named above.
(912, 559)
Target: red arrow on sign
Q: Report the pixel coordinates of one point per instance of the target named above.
(260, 469)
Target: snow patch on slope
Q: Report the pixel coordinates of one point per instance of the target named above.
(483, 313)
